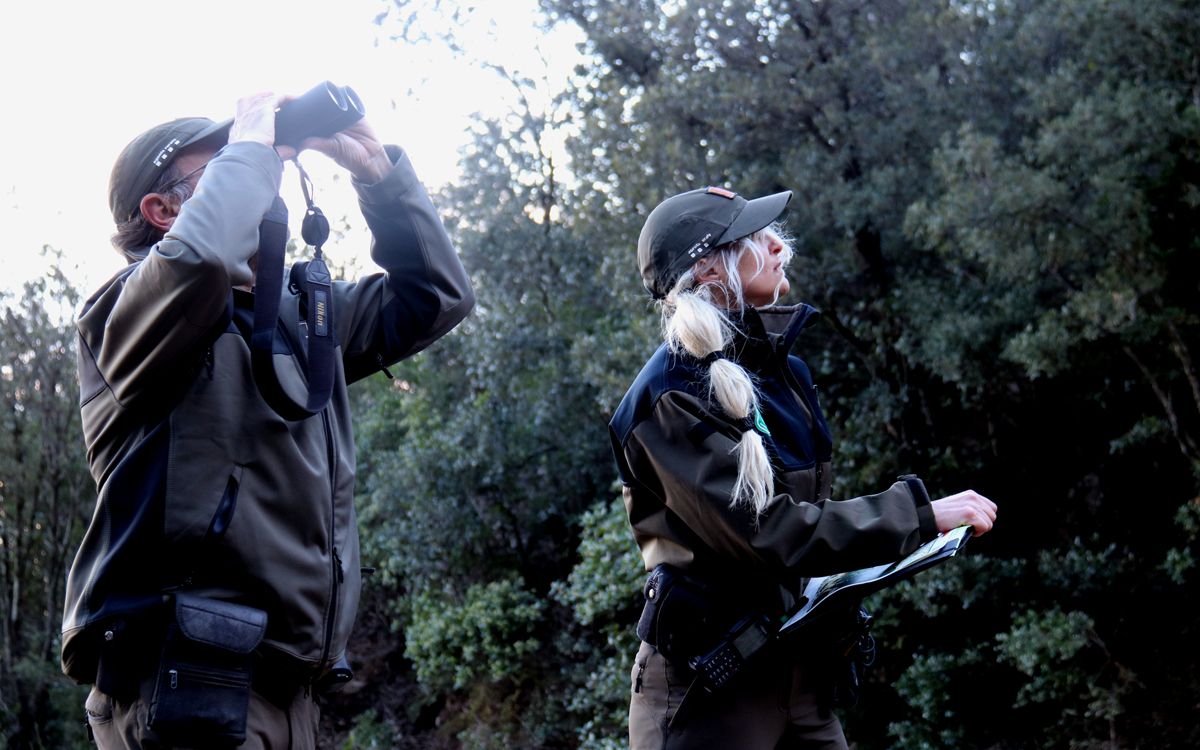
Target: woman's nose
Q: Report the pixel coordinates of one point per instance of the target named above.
(774, 244)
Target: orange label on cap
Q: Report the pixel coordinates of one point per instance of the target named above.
(721, 192)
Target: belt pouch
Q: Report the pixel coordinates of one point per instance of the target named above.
(682, 615)
(202, 691)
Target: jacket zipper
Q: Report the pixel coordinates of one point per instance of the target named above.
(335, 560)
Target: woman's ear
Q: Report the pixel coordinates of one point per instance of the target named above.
(708, 271)
(158, 211)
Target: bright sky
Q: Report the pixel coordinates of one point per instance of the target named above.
(83, 77)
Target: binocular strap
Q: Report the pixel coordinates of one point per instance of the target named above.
(312, 280)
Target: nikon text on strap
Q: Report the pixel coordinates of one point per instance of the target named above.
(313, 282)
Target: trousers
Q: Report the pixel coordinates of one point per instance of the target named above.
(773, 708)
(119, 726)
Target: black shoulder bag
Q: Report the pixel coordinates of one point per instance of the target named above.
(202, 691)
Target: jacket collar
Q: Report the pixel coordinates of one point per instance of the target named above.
(769, 332)
(139, 253)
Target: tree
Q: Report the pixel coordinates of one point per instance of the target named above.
(43, 483)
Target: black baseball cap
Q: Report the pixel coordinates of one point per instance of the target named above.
(146, 157)
(685, 227)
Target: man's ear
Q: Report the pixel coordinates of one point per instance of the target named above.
(158, 211)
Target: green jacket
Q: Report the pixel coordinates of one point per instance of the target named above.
(201, 485)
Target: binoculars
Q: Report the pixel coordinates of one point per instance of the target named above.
(321, 111)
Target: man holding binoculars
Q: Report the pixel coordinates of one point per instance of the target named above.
(215, 588)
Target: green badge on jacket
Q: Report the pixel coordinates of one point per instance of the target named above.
(759, 423)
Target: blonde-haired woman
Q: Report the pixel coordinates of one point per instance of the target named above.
(725, 459)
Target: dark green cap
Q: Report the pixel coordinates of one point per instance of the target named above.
(146, 157)
(685, 227)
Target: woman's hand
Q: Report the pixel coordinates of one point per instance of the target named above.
(966, 507)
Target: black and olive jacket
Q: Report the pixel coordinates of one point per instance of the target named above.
(675, 453)
(201, 485)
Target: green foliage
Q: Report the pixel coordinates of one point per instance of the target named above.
(603, 593)
(945, 591)
(486, 636)
(601, 700)
(369, 733)
(43, 508)
(49, 710)
(1039, 644)
(1187, 518)
(923, 686)
(1080, 571)
(1051, 649)
(1180, 561)
(608, 577)
(1177, 565)
(931, 635)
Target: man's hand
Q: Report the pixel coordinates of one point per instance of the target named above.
(254, 121)
(967, 507)
(357, 150)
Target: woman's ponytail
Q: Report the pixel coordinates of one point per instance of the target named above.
(692, 323)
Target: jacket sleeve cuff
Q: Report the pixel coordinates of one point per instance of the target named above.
(396, 183)
(925, 520)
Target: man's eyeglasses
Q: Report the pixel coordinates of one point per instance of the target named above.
(183, 179)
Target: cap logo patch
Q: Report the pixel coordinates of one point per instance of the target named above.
(721, 192)
(701, 245)
(167, 151)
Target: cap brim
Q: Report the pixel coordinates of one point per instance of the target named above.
(757, 214)
(209, 132)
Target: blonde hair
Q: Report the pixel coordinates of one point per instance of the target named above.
(696, 321)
